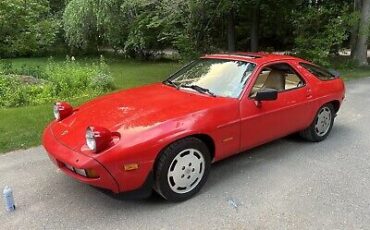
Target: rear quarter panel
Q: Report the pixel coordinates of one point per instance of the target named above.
(323, 91)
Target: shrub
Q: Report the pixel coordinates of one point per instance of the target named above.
(12, 92)
(59, 81)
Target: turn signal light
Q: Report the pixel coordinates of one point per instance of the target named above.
(91, 173)
(130, 167)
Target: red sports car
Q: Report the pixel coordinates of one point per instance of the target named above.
(165, 136)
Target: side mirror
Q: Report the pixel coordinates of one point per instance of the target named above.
(266, 95)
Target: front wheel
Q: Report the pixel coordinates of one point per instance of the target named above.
(182, 169)
(321, 126)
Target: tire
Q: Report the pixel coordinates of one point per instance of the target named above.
(321, 126)
(182, 169)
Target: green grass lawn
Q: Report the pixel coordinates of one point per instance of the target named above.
(350, 74)
(22, 127)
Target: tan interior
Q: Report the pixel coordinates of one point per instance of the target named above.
(259, 82)
(275, 79)
(292, 81)
(272, 79)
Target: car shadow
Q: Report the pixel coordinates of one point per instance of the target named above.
(269, 153)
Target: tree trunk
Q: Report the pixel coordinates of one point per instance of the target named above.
(254, 29)
(231, 31)
(354, 30)
(360, 51)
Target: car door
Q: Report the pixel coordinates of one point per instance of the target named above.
(269, 120)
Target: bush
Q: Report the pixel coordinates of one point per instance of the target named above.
(12, 92)
(59, 81)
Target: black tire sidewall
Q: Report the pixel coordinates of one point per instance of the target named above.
(313, 131)
(165, 161)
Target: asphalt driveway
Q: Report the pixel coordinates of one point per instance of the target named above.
(287, 184)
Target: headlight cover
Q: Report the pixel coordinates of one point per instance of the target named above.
(56, 112)
(90, 139)
(98, 138)
(62, 110)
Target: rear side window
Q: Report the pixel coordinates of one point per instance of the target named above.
(320, 73)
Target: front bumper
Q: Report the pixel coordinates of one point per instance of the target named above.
(62, 155)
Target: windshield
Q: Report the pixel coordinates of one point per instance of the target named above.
(225, 78)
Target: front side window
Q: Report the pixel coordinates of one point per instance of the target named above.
(225, 78)
(279, 76)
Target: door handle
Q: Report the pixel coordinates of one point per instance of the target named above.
(309, 93)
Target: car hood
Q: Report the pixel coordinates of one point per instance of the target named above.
(131, 111)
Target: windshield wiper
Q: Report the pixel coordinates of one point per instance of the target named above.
(171, 83)
(199, 89)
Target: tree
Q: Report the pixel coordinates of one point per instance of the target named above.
(195, 26)
(354, 30)
(359, 51)
(89, 24)
(320, 27)
(315, 28)
(231, 46)
(80, 21)
(255, 26)
(26, 27)
(146, 27)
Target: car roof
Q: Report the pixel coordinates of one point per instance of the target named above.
(257, 58)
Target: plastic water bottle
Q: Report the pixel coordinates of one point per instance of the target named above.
(9, 200)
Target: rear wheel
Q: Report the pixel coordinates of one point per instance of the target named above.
(182, 169)
(322, 124)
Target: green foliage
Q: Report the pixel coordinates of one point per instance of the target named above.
(59, 81)
(80, 23)
(193, 26)
(7, 68)
(141, 28)
(145, 29)
(320, 30)
(90, 23)
(12, 93)
(26, 27)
